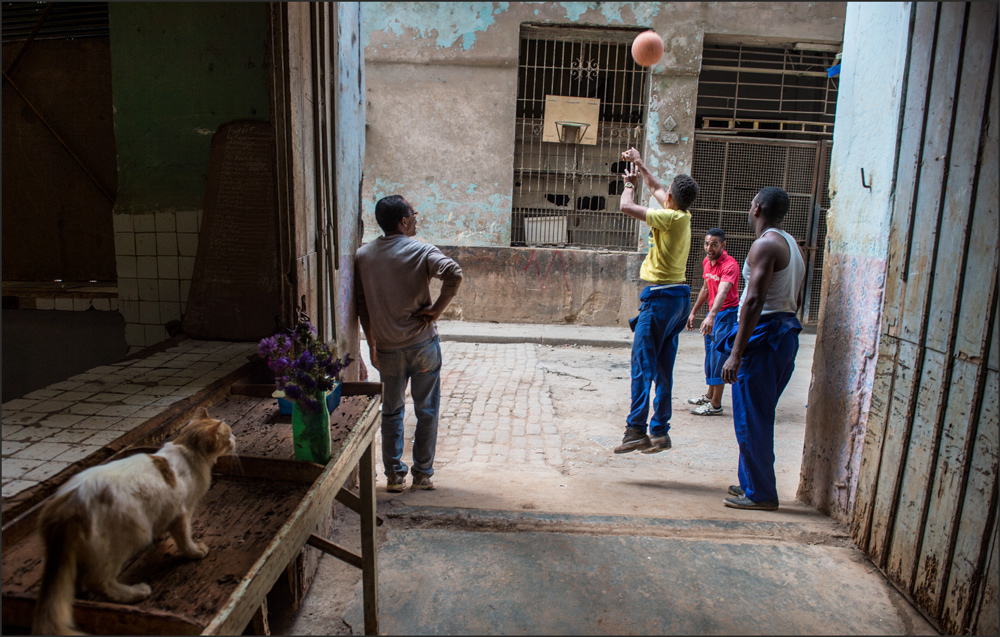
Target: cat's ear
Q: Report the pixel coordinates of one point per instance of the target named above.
(201, 414)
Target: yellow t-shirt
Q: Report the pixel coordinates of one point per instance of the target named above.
(669, 244)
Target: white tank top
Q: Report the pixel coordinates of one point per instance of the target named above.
(783, 294)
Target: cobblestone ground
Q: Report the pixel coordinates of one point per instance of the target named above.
(496, 407)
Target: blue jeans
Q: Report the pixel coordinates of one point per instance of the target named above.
(662, 315)
(768, 362)
(714, 359)
(420, 365)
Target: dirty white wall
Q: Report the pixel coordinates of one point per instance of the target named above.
(442, 86)
(865, 137)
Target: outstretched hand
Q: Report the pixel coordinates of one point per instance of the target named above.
(631, 175)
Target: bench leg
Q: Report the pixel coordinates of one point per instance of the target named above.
(369, 559)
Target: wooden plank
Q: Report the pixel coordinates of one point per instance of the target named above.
(983, 255)
(894, 450)
(369, 541)
(930, 184)
(260, 623)
(871, 449)
(909, 522)
(946, 491)
(986, 621)
(353, 502)
(910, 153)
(338, 552)
(957, 216)
(102, 617)
(237, 519)
(978, 514)
(238, 610)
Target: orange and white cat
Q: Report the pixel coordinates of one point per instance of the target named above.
(106, 514)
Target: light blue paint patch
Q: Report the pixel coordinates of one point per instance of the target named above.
(446, 22)
(471, 189)
(576, 9)
(643, 12)
(684, 139)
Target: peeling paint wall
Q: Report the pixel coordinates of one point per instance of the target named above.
(442, 88)
(866, 136)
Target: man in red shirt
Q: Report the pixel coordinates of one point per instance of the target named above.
(721, 274)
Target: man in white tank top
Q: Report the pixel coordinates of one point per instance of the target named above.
(762, 347)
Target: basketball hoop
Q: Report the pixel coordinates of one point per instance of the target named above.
(571, 132)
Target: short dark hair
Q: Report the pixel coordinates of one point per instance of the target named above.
(684, 190)
(773, 202)
(389, 211)
(717, 232)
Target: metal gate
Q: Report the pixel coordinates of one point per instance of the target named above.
(730, 171)
(926, 502)
(567, 193)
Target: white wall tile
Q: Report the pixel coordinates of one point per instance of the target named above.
(103, 305)
(64, 303)
(170, 290)
(122, 223)
(124, 242)
(145, 267)
(149, 313)
(187, 244)
(126, 267)
(166, 222)
(168, 267)
(130, 310)
(187, 221)
(128, 289)
(149, 290)
(169, 312)
(144, 223)
(166, 244)
(45, 303)
(145, 244)
(81, 304)
(185, 268)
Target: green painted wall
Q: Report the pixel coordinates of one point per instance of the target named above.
(179, 70)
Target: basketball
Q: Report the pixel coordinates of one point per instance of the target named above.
(647, 48)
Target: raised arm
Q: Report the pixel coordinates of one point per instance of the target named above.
(655, 187)
(627, 205)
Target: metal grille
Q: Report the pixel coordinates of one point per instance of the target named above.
(773, 92)
(730, 171)
(568, 193)
(64, 20)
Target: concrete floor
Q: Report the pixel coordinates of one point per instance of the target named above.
(537, 528)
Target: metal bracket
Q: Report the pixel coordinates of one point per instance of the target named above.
(869, 184)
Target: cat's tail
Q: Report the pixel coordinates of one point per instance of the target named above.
(64, 528)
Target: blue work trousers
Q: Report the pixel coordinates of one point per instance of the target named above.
(420, 365)
(768, 362)
(662, 315)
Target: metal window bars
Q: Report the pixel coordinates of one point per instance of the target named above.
(566, 193)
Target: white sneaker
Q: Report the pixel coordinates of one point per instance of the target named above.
(707, 410)
(699, 400)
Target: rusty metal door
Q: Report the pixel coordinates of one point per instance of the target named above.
(317, 91)
(926, 503)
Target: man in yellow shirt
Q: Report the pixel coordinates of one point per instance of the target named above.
(664, 302)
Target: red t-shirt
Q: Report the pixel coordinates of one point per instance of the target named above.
(725, 269)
